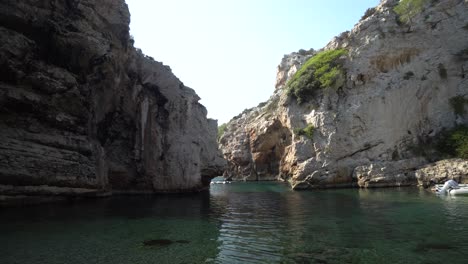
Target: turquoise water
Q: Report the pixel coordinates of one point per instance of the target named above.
(242, 223)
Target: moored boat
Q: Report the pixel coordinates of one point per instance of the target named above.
(451, 188)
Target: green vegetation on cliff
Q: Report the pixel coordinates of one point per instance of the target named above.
(321, 71)
(408, 9)
(458, 104)
(221, 130)
(308, 131)
(455, 143)
(450, 143)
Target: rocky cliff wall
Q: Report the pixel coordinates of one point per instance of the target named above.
(83, 111)
(400, 80)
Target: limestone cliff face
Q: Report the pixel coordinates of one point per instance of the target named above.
(400, 79)
(83, 111)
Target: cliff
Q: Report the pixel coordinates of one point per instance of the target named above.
(398, 86)
(84, 112)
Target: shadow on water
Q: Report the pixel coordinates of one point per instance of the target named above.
(123, 229)
(163, 242)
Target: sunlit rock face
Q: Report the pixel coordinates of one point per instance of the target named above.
(399, 83)
(289, 66)
(83, 111)
(441, 171)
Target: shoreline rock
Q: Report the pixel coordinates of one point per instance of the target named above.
(441, 171)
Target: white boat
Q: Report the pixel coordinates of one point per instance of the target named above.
(448, 189)
(220, 182)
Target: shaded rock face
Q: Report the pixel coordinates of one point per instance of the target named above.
(400, 80)
(257, 151)
(80, 107)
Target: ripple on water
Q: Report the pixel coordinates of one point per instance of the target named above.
(242, 223)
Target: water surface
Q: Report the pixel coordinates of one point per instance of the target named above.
(242, 223)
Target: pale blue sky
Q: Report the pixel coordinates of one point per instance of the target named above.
(228, 50)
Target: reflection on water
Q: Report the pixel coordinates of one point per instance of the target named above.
(251, 224)
(242, 223)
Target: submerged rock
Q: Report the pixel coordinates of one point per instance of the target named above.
(396, 94)
(158, 242)
(80, 107)
(428, 247)
(163, 242)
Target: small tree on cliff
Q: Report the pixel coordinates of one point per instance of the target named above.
(408, 9)
(221, 130)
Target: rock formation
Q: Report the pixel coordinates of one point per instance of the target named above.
(399, 83)
(441, 171)
(84, 112)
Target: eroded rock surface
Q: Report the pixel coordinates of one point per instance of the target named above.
(80, 107)
(400, 81)
(441, 171)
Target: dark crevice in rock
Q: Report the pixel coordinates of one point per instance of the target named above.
(365, 148)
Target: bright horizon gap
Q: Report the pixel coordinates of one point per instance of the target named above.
(228, 51)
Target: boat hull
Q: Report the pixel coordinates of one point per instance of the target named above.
(459, 192)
